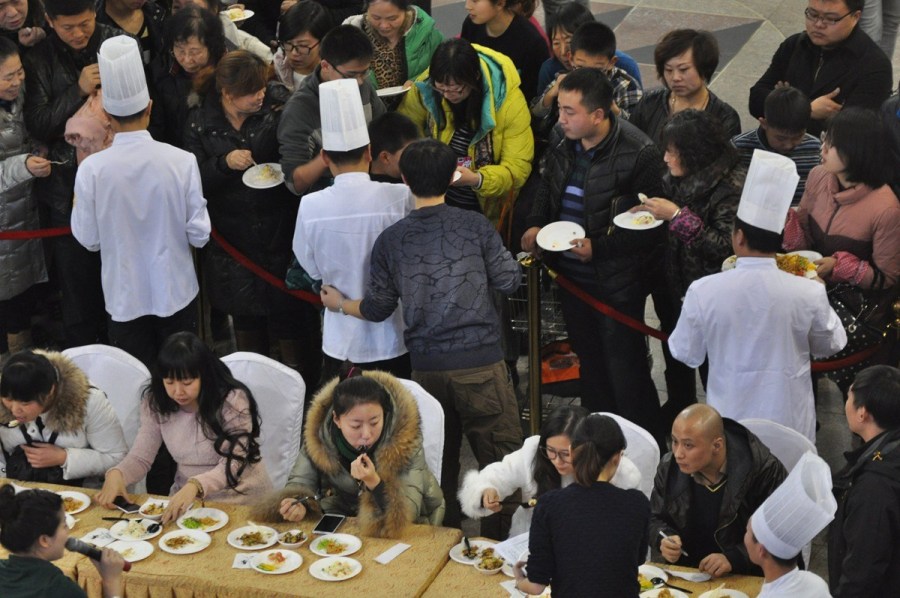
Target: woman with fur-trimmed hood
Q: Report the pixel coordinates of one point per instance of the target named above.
(59, 420)
(362, 452)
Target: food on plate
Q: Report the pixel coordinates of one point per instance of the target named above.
(127, 553)
(201, 523)
(253, 538)
(273, 562)
(795, 264)
(471, 552)
(489, 561)
(154, 508)
(645, 582)
(71, 504)
(339, 569)
(267, 174)
(177, 542)
(289, 538)
(665, 593)
(643, 220)
(235, 13)
(134, 529)
(331, 546)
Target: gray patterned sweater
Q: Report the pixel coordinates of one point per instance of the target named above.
(441, 263)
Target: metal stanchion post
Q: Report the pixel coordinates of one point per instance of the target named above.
(533, 270)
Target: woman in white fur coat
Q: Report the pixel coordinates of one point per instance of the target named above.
(543, 463)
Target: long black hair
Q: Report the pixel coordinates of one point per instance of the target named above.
(457, 60)
(184, 356)
(26, 516)
(596, 440)
(560, 422)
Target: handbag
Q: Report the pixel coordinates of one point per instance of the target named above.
(18, 467)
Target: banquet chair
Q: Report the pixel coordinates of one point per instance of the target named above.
(787, 445)
(122, 377)
(431, 415)
(641, 448)
(279, 392)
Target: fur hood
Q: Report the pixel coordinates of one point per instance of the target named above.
(73, 388)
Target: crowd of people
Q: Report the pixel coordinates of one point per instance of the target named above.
(414, 167)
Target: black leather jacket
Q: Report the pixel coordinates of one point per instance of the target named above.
(625, 163)
(52, 96)
(753, 474)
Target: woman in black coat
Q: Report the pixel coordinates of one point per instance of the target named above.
(233, 127)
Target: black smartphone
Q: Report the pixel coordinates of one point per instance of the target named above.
(125, 506)
(328, 524)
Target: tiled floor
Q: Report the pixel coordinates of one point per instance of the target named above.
(748, 33)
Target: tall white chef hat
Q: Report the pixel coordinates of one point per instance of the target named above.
(798, 509)
(768, 190)
(124, 85)
(343, 120)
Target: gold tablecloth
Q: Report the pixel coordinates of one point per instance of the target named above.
(209, 573)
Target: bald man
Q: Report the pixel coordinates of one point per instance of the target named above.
(705, 491)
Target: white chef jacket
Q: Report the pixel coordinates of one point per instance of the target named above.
(139, 203)
(796, 584)
(336, 229)
(758, 325)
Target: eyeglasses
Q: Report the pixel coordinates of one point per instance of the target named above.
(451, 91)
(302, 50)
(814, 17)
(552, 454)
(358, 75)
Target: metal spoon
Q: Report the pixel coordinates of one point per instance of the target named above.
(659, 581)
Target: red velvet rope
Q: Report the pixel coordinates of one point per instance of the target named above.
(21, 235)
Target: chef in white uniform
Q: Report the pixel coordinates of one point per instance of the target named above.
(337, 227)
(140, 204)
(786, 522)
(757, 324)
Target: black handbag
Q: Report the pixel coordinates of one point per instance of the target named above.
(18, 467)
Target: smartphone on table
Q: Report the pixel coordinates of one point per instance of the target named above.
(328, 524)
(125, 506)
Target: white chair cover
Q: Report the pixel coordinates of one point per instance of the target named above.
(279, 392)
(432, 416)
(122, 377)
(641, 449)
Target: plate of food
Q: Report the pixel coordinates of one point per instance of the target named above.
(276, 562)
(74, 502)
(723, 593)
(336, 545)
(640, 220)
(185, 541)
(488, 562)
(238, 14)
(134, 529)
(132, 551)
(263, 176)
(556, 236)
(664, 593)
(648, 572)
(335, 568)
(794, 263)
(387, 92)
(153, 508)
(292, 538)
(253, 537)
(464, 556)
(205, 519)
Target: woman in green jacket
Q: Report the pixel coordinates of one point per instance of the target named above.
(470, 100)
(362, 453)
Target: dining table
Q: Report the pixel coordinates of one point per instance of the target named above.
(210, 572)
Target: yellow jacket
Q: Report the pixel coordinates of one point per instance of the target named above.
(503, 147)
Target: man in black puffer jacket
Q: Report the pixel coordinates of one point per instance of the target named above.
(60, 73)
(593, 170)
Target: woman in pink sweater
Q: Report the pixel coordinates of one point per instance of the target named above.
(209, 423)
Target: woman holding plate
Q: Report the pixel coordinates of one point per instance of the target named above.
(703, 186)
(362, 453)
(232, 129)
(209, 423)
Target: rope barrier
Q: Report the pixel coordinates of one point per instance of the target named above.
(24, 235)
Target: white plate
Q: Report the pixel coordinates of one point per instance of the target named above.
(508, 569)
(627, 220)
(79, 496)
(70, 521)
(731, 261)
(292, 544)
(252, 178)
(269, 534)
(353, 544)
(153, 501)
(246, 14)
(391, 91)
(317, 569)
(456, 553)
(132, 551)
(655, 593)
(811, 256)
(200, 541)
(556, 235)
(118, 530)
(723, 593)
(221, 516)
(292, 561)
(456, 176)
(649, 571)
